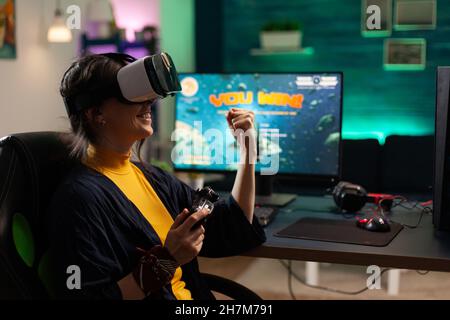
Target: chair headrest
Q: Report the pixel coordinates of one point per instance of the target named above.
(44, 154)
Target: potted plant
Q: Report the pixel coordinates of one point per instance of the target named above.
(281, 35)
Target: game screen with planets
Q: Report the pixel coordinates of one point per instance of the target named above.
(297, 118)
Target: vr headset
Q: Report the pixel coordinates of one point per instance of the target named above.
(146, 79)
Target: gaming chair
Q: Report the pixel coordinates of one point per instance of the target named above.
(31, 167)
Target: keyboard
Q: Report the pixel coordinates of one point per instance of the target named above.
(265, 215)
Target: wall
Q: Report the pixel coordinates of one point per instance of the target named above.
(178, 39)
(29, 99)
(377, 103)
(136, 13)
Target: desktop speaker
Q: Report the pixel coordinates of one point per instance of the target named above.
(441, 190)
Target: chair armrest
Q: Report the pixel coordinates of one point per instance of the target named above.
(229, 288)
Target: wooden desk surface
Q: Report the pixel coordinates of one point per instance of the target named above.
(422, 248)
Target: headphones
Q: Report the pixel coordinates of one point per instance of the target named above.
(351, 197)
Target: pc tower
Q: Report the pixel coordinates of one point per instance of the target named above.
(441, 201)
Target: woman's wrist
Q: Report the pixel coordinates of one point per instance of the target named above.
(248, 149)
(155, 269)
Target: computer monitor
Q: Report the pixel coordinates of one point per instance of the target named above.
(441, 189)
(298, 118)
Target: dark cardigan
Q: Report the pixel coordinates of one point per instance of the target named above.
(94, 226)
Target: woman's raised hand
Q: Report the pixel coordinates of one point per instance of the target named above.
(240, 119)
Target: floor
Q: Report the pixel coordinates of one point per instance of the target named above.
(268, 278)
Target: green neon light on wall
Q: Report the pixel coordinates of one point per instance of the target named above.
(378, 128)
(376, 34)
(404, 67)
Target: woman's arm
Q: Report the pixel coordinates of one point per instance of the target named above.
(241, 122)
(154, 270)
(157, 266)
(228, 231)
(130, 289)
(244, 187)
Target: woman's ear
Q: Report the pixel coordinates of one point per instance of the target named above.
(89, 115)
(95, 116)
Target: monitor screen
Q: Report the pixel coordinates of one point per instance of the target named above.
(298, 121)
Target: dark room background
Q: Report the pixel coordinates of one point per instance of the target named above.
(377, 103)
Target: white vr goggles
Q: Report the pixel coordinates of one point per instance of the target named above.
(146, 79)
(149, 78)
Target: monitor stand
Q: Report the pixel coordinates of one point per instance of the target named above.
(265, 196)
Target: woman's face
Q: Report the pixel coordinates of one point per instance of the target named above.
(125, 123)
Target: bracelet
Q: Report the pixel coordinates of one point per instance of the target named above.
(155, 269)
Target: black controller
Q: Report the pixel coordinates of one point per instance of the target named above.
(203, 199)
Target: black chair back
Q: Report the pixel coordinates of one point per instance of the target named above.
(31, 167)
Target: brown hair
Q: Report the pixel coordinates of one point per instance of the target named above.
(93, 77)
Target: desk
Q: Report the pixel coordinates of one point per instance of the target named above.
(422, 248)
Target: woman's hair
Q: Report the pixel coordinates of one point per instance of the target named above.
(93, 77)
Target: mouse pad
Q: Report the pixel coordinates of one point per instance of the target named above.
(343, 231)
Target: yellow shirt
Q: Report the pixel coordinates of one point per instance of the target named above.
(132, 182)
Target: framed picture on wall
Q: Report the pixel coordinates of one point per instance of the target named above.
(7, 29)
(405, 54)
(415, 15)
(376, 18)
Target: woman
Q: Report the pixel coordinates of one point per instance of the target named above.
(125, 226)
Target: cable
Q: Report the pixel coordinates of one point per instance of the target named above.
(380, 204)
(291, 274)
(291, 292)
(348, 216)
(402, 203)
(414, 206)
(422, 273)
(424, 210)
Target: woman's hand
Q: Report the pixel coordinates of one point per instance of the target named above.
(241, 119)
(183, 242)
(242, 125)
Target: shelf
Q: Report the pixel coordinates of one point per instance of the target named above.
(120, 45)
(100, 42)
(404, 67)
(266, 52)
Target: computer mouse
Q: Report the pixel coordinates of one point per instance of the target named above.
(376, 224)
